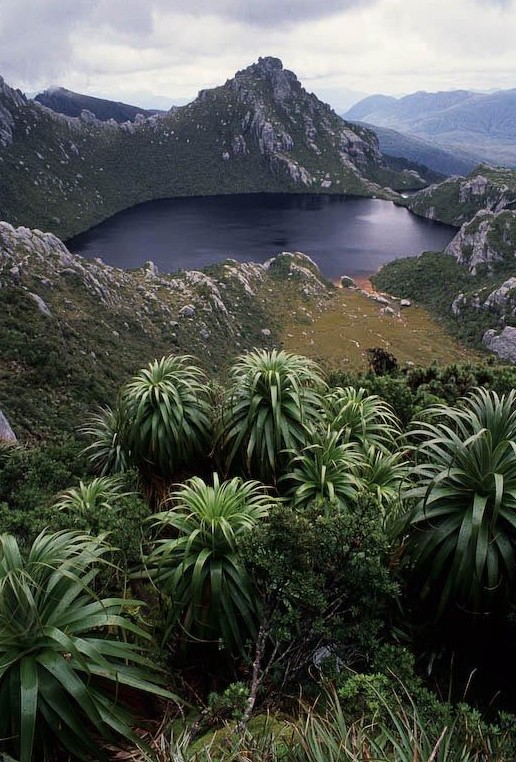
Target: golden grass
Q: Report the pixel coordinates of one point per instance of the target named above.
(337, 332)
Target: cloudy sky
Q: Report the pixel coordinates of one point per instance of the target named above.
(130, 49)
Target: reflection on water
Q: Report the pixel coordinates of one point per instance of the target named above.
(343, 235)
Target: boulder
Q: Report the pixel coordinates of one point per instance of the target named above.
(503, 344)
(41, 305)
(7, 435)
(347, 282)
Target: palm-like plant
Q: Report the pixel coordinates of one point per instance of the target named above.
(108, 452)
(462, 531)
(273, 397)
(58, 655)
(200, 568)
(325, 469)
(384, 474)
(103, 493)
(362, 418)
(168, 416)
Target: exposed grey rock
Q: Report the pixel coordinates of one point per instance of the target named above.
(405, 303)
(187, 311)
(502, 344)
(379, 299)
(7, 435)
(499, 298)
(476, 186)
(458, 303)
(265, 332)
(151, 268)
(42, 306)
(389, 311)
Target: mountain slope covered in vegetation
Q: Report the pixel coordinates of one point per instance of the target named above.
(260, 131)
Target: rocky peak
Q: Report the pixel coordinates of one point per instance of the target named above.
(284, 83)
(9, 99)
(9, 95)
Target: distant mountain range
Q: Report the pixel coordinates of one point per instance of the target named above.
(419, 151)
(480, 124)
(67, 102)
(259, 132)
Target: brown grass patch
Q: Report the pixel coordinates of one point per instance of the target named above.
(339, 331)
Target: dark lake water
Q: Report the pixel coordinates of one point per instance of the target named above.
(345, 236)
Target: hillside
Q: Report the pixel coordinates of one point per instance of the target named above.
(479, 123)
(456, 200)
(66, 102)
(260, 131)
(73, 329)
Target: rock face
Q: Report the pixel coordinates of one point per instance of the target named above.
(488, 238)
(8, 98)
(7, 435)
(503, 344)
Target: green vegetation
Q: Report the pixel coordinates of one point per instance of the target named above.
(461, 532)
(377, 534)
(458, 199)
(56, 657)
(434, 280)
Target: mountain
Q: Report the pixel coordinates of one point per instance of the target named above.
(260, 131)
(483, 124)
(421, 152)
(72, 104)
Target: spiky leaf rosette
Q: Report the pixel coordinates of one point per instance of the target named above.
(108, 451)
(324, 469)
(58, 651)
(200, 567)
(362, 418)
(273, 397)
(462, 531)
(168, 415)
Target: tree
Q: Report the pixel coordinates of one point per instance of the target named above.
(108, 451)
(61, 668)
(167, 415)
(273, 397)
(199, 567)
(362, 418)
(324, 470)
(461, 534)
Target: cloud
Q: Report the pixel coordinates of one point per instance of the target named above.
(270, 13)
(176, 47)
(40, 40)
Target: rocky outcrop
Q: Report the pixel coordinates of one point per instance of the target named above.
(7, 435)
(194, 305)
(9, 98)
(488, 238)
(503, 344)
(457, 199)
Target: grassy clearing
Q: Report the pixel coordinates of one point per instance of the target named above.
(341, 330)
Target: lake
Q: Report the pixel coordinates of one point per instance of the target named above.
(345, 236)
